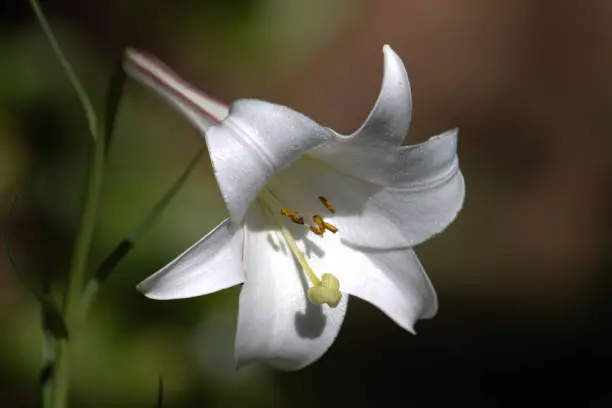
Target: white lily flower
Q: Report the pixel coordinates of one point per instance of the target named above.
(313, 215)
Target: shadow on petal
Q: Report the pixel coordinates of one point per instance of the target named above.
(311, 323)
(276, 245)
(312, 249)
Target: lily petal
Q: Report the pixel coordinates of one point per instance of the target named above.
(408, 194)
(254, 142)
(277, 325)
(392, 280)
(211, 264)
(199, 108)
(389, 120)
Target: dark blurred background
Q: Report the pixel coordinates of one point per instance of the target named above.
(523, 275)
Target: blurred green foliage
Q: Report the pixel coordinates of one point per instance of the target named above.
(522, 275)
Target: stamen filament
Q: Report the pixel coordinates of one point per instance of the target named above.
(295, 250)
(299, 255)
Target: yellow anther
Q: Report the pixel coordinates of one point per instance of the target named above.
(322, 226)
(330, 227)
(317, 230)
(327, 204)
(327, 291)
(297, 219)
(288, 213)
(293, 216)
(319, 220)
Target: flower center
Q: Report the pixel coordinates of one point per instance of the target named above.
(327, 289)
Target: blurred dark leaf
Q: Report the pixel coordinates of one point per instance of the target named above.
(160, 393)
(52, 317)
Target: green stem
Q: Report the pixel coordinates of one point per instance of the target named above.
(48, 358)
(76, 84)
(78, 267)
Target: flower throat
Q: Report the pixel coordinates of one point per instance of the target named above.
(327, 289)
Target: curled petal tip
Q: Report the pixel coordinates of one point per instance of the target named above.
(146, 290)
(141, 288)
(387, 49)
(389, 120)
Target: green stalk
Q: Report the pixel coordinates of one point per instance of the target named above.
(76, 84)
(46, 374)
(128, 242)
(77, 276)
